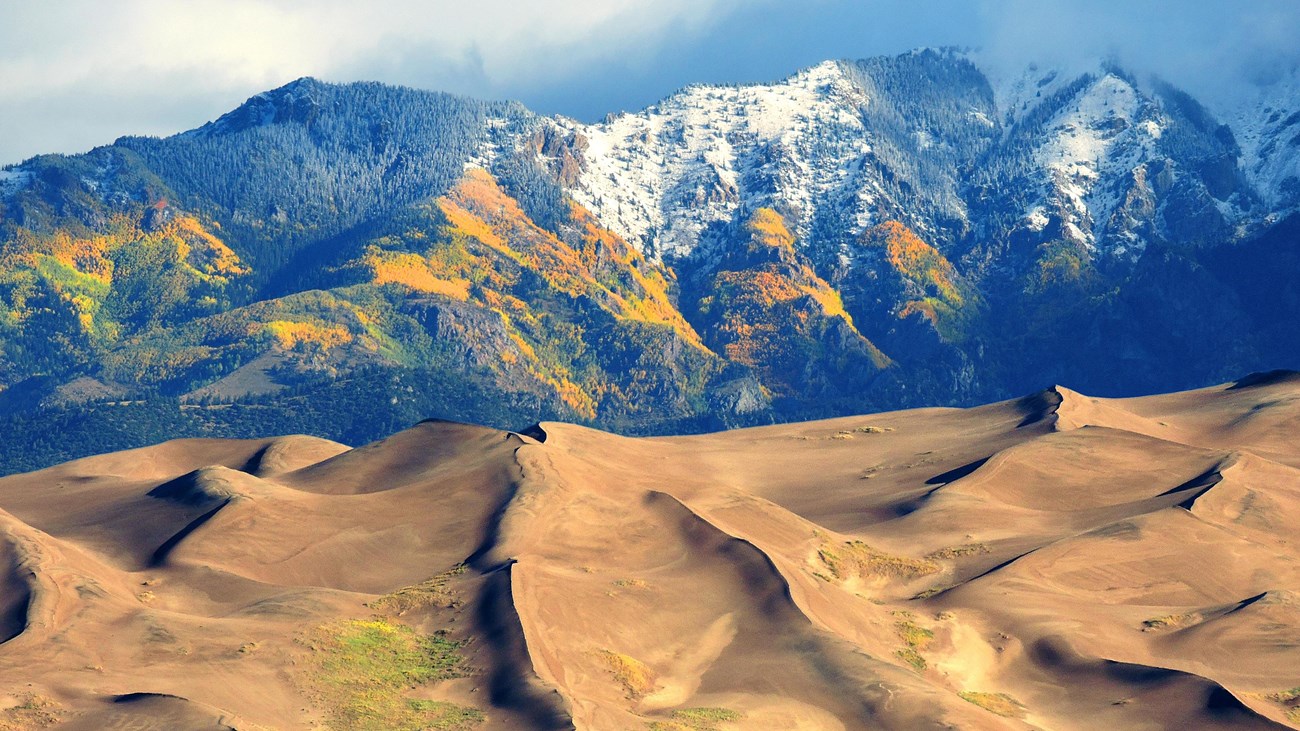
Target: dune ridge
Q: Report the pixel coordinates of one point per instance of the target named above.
(1058, 561)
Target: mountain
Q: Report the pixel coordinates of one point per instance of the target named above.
(1023, 564)
(897, 231)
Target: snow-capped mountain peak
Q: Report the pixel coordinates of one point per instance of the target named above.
(660, 177)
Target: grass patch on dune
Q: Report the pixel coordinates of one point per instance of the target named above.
(910, 656)
(637, 679)
(32, 712)
(430, 593)
(915, 639)
(1290, 700)
(1169, 622)
(362, 671)
(857, 559)
(932, 591)
(1286, 696)
(444, 716)
(966, 549)
(998, 703)
(697, 719)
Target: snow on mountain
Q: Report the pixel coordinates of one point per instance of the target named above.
(1265, 119)
(660, 177)
(12, 180)
(1104, 134)
(1087, 155)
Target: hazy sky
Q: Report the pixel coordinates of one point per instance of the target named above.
(74, 74)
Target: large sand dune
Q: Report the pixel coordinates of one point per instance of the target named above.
(1056, 562)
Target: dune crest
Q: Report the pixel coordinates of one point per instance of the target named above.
(1024, 564)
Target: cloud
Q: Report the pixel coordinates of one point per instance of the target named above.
(1212, 49)
(78, 73)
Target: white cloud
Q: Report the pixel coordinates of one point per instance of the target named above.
(75, 74)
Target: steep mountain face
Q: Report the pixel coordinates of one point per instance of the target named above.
(898, 231)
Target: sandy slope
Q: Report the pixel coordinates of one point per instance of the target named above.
(1056, 562)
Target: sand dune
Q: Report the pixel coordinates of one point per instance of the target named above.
(1057, 562)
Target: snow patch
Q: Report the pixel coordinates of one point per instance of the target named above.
(13, 180)
(1102, 134)
(1037, 219)
(660, 177)
(1265, 121)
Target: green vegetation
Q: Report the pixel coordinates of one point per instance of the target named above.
(1290, 702)
(1286, 696)
(910, 656)
(915, 638)
(637, 679)
(355, 409)
(999, 703)
(430, 593)
(766, 307)
(464, 289)
(932, 591)
(928, 284)
(362, 671)
(323, 231)
(697, 719)
(857, 559)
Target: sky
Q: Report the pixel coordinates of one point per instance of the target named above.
(79, 73)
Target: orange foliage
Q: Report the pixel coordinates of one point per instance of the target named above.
(478, 207)
(926, 309)
(764, 287)
(469, 224)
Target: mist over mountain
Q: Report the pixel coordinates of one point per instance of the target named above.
(922, 229)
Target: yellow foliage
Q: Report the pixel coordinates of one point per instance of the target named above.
(917, 260)
(479, 208)
(289, 334)
(755, 334)
(576, 398)
(637, 679)
(212, 256)
(469, 224)
(857, 559)
(413, 271)
(653, 304)
(768, 228)
(830, 300)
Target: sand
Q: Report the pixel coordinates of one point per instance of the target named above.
(1057, 562)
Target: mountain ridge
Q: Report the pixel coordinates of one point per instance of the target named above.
(931, 247)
